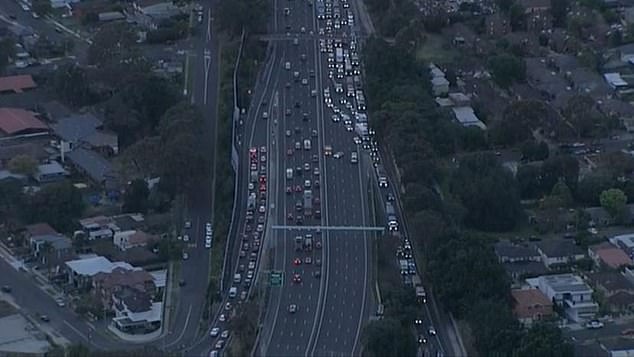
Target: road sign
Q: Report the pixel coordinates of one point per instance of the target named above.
(276, 278)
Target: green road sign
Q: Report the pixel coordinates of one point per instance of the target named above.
(276, 278)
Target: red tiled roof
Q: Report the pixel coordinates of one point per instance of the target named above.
(614, 257)
(16, 83)
(530, 301)
(15, 120)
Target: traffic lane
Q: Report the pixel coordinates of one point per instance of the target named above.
(34, 301)
(25, 18)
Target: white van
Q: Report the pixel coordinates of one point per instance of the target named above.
(237, 278)
(233, 292)
(289, 174)
(307, 144)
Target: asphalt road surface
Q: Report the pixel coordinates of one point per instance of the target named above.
(333, 305)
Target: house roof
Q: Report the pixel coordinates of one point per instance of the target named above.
(127, 222)
(6, 174)
(58, 241)
(17, 84)
(525, 268)
(467, 117)
(611, 255)
(93, 265)
(615, 80)
(140, 237)
(52, 168)
(620, 298)
(94, 165)
(134, 300)
(120, 277)
(85, 128)
(40, 229)
(101, 221)
(54, 110)
(564, 282)
(507, 249)
(611, 281)
(618, 344)
(527, 299)
(19, 121)
(32, 148)
(559, 248)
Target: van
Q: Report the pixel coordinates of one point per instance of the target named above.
(289, 174)
(233, 292)
(307, 144)
(237, 278)
(287, 65)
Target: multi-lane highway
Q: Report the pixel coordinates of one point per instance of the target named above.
(324, 299)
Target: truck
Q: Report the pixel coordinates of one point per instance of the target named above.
(390, 213)
(308, 243)
(361, 129)
(254, 176)
(299, 243)
(339, 55)
(308, 203)
(350, 91)
(381, 176)
(421, 295)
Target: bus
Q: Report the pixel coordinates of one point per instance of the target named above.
(349, 87)
(338, 54)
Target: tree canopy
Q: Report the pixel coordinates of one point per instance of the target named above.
(58, 204)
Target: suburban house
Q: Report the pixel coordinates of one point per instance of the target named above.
(519, 260)
(625, 242)
(105, 284)
(125, 240)
(50, 172)
(618, 347)
(559, 251)
(439, 84)
(531, 305)
(609, 255)
(508, 252)
(151, 12)
(95, 166)
(86, 130)
(16, 84)
(135, 312)
(16, 121)
(570, 292)
(48, 246)
(99, 227)
(617, 290)
(81, 272)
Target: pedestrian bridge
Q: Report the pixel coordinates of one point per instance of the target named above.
(330, 228)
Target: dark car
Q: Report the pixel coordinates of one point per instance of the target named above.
(6, 289)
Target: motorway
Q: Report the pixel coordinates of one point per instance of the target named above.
(332, 298)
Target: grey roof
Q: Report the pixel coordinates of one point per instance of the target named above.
(510, 250)
(93, 164)
(559, 248)
(135, 300)
(6, 174)
(58, 241)
(618, 344)
(52, 168)
(525, 268)
(54, 110)
(85, 128)
(611, 281)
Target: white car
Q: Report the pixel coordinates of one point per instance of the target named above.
(432, 331)
(594, 324)
(338, 155)
(222, 318)
(186, 238)
(185, 256)
(225, 334)
(188, 224)
(214, 332)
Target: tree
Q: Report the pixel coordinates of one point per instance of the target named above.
(544, 339)
(387, 337)
(42, 7)
(581, 113)
(58, 204)
(488, 192)
(135, 198)
(250, 15)
(559, 11)
(71, 85)
(534, 151)
(529, 182)
(507, 69)
(519, 119)
(590, 187)
(114, 42)
(614, 201)
(517, 17)
(7, 51)
(23, 165)
(557, 167)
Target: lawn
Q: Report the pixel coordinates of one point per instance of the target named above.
(435, 48)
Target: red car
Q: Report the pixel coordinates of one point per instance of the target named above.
(262, 187)
(297, 261)
(262, 178)
(289, 152)
(253, 153)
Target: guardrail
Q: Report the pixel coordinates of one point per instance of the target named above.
(235, 164)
